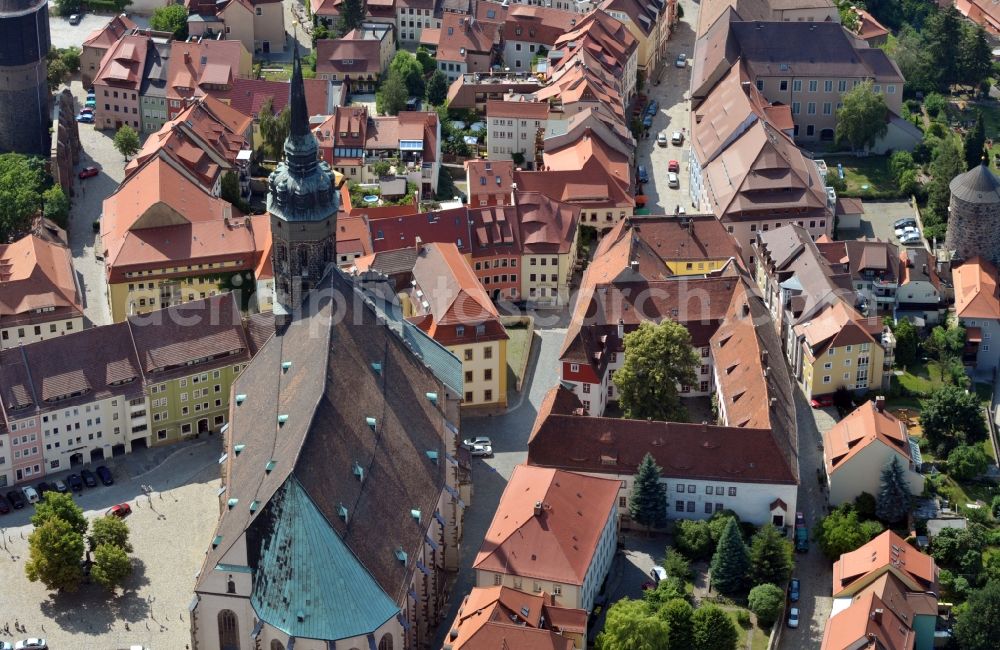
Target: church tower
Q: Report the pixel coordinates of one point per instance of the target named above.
(302, 202)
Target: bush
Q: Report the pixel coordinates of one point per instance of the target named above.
(966, 462)
(676, 565)
(694, 539)
(864, 505)
(935, 103)
(767, 601)
(996, 506)
(743, 618)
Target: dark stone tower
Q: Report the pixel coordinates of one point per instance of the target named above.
(303, 205)
(24, 91)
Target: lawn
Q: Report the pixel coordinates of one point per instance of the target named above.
(276, 72)
(871, 171)
(760, 637)
(922, 378)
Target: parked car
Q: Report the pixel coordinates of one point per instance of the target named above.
(30, 493)
(642, 174)
(647, 122)
(800, 519)
(652, 108)
(42, 488)
(60, 487)
(4, 506)
(6, 646)
(793, 617)
(821, 401)
(911, 239)
(16, 499)
(75, 19)
(85, 118)
(673, 180)
(673, 166)
(32, 644)
(75, 483)
(662, 139)
(904, 229)
(905, 221)
(793, 590)
(482, 451)
(105, 475)
(658, 574)
(677, 138)
(801, 539)
(86, 110)
(89, 479)
(469, 443)
(121, 511)
(681, 61)
(91, 101)
(87, 172)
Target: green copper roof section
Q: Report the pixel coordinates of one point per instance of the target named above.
(307, 582)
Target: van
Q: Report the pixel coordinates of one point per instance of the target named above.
(30, 493)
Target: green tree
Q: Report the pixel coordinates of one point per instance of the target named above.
(405, 66)
(59, 506)
(951, 416)
(945, 343)
(864, 505)
(899, 162)
(848, 17)
(381, 168)
(893, 501)
(172, 18)
(109, 531)
(862, 119)
(630, 626)
(426, 61)
(391, 97)
(647, 504)
(111, 566)
(943, 37)
(712, 629)
(974, 143)
(914, 60)
(676, 565)
(731, 562)
(770, 556)
(976, 62)
(230, 191)
(57, 74)
(54, 553)
(950, 545)
(678, 614)
(840, 532)
(766, 601)
(658, 359)
(56, 204)
(67, 7)
(70, 57)
(694, 539)
(352, 14)
(274, 129)
(967, 462)
(947, 164)
(437, 89)
(127, 141)
(665, 591)
(907, 343)
(119, 5)
(21, 179)
(978, 624)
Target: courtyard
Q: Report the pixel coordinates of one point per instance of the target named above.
(170, 530)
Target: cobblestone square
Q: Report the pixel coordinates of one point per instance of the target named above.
(170, 531)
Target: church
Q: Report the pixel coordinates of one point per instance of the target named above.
(340, 512)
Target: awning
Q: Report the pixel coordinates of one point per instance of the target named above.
(974, 335)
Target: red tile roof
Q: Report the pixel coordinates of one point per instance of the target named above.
(495, 617)
(108, 35)
(344, 56)
(36, 274)
(122, 65)
(393, 233)
(559, 543)
(527, 110)
(976, 294)
(865, 425)
(886, 553)
(460, 37)
(197, 67)
(543, 25)
(248, 95)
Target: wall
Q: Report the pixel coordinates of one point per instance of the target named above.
(863, 473)
(411, 22)
(87, 428)
(142, 294)
(22, 335)
(475, 361)
(603, 217)
(6, 461)
(182, 406)
(974, 229)
(269, 25)
(25, 115)
(568, 596)
(988, 355)
(745, 231)
(90, 61)
(154, 112)
(115, 107)
(517, 55)
(239, 25)
(499, 273)
(25, 453)
(841, 360)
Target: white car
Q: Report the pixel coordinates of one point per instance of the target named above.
(793, 617)
(905, 229)
(677, 138)
(30, 493)
(31, 644)
(483, 451)
(469, 443)
(911, 238)
(673, 180)
(661, 139)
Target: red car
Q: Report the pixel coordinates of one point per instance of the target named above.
(821, 401)
(673, 166)
(121, 511)
(87, 172)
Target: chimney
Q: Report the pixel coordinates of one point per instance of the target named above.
(187, 57)
(538, 508)
(880, 403)
(746, 309)
(621, 328)
(419, 244)
(877, 616)
(634, 265)
(923, 267)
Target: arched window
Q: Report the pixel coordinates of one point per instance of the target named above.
(385, 643)
(229, 630)
(276, 645)
(303, 259)
(231, 586)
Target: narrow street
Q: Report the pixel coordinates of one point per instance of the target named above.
(812, 568)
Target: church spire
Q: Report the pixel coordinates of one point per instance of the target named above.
(297, 97)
